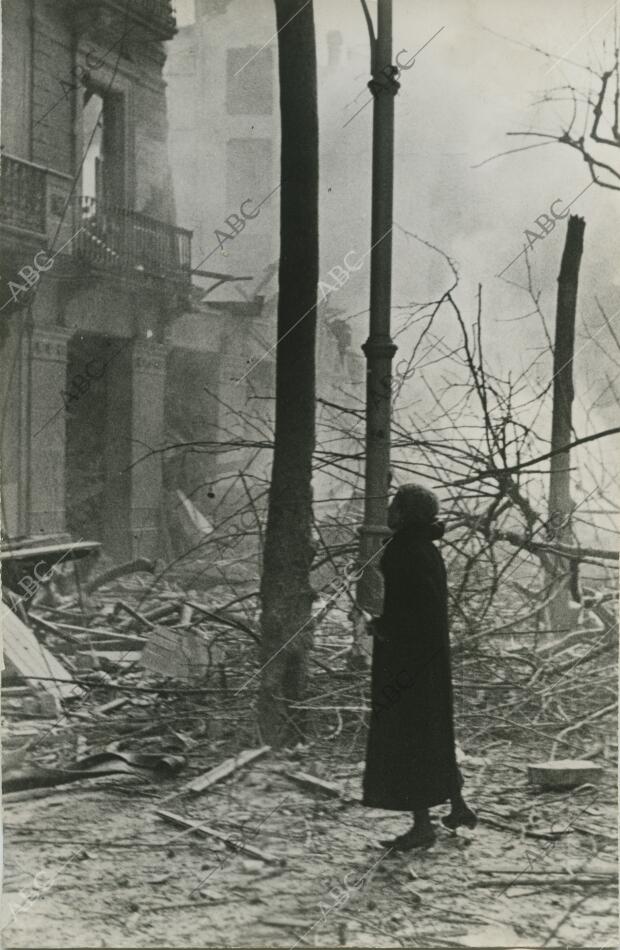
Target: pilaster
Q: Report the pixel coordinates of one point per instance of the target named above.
(45, 379)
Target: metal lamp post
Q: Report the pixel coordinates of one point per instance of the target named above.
(379, 347)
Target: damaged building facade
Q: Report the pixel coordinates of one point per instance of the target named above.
(85, 179)
(224, 143)
(123, 337)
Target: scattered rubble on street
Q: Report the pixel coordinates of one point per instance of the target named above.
(162, 803)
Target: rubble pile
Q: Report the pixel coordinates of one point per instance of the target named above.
(154, 765)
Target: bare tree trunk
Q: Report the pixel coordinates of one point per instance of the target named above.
(560, 504)
(286, 594)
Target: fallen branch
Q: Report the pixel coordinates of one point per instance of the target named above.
(582, 722)
(521, 830)
(121, 605)
(207, 832)
(221, 617)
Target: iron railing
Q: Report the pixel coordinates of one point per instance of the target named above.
(23, 195)
(162, 9)
(157, 15)
(118, 239)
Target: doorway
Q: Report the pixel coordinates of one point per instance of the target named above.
(86, 408)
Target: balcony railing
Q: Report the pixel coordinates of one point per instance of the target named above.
(127, 241)
(23, 195)
(161, 9)
(156, 15)
(112, 238)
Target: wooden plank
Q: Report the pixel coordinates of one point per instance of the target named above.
(112, 656)
(594, 832)
(550, 880)
(50, 626)
(48, 552)
(32, 660)
(226, 768)
(55, 626)
(106, 659)
(207, 832)
(164, 610)
(112, 704)
(316, 784)
(522, 830)
(561, 875)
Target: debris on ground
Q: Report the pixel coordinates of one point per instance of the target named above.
(264, 837)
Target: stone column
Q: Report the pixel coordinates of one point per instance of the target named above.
(46, 372)
(14, 371)
(135, 425)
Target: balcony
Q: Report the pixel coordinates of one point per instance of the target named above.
(34, 212)
(157, 16)
(23, 196)
(116, 239)
(159, 10)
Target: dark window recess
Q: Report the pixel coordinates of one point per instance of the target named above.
(249, 170)
(103, 168)
(249, 81)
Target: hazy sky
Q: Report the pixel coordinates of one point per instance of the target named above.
(473, 84)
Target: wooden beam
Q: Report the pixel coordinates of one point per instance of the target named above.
(33, 661)
(207, 832)
(202, 782)
(316, 784)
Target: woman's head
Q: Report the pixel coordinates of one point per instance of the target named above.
(412, 505)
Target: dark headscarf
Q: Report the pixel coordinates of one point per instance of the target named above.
(419, 509)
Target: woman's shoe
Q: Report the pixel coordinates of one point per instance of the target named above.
(463, 815)
(414, 838)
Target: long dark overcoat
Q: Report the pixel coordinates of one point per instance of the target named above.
(410, 760)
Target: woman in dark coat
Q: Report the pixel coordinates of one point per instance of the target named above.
(411, 760)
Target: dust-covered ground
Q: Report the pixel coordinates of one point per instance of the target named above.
(117, 875)
(283, 863)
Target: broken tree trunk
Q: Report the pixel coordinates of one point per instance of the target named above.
(564, 572)
(286, 594)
